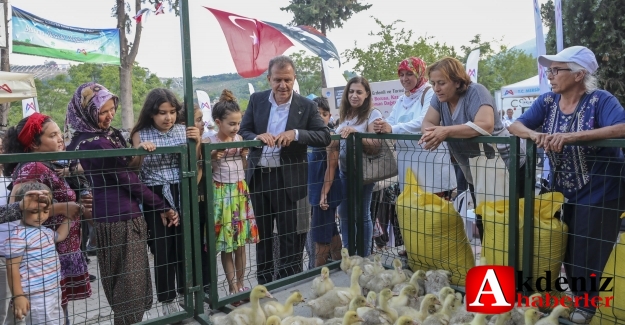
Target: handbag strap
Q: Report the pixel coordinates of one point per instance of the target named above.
(482, 132)
(423, 95)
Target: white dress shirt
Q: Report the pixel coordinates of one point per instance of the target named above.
(278, 117)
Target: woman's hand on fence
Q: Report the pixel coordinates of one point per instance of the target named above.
(540, 139)
(381, 126)
(346, 131)
(194, 133)
(170, 218)
(555, 142)
(32, 198)
(433, 137)
(147, 145)
(21, 306)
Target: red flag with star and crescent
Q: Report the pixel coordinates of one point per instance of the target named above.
(252, 43)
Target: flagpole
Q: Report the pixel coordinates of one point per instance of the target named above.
(194, 260)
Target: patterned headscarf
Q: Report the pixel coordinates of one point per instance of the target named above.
(84, 108)
(417, 66)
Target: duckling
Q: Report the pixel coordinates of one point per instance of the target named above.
(478, 319)
(322, 283)
(531, 316)
(373, 266)
(351, 317)
(339, 296)
(372, 298)
(436, 280)
(405, 320)
(428, 306)
(357, 302)
(252, 315)
(273, 320)
(387, 279)
(442, 294)
(444, 315)
(500, 319)
(347, 262)
(553, 316)
(300, 320)
(275, 308)
(518, 313)
(414, 280)
(383, 315)
(403, 299)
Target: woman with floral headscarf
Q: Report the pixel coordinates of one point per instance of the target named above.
(120, 227)
(433, 169)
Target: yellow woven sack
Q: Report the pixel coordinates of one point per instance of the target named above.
(615, 268)
(550, 234)
(433, 232)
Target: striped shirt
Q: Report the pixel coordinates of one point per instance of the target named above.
(40, 269)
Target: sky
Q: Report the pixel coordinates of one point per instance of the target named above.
(454, 22)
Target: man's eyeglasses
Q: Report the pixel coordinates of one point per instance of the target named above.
(554, 71)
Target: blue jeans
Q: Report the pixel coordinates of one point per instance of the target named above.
(367, 190)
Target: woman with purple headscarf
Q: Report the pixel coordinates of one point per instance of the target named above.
(117, 191)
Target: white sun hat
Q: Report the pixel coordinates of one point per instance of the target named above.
(576, 54)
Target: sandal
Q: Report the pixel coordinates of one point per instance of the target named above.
(244, 289)
(235, 303)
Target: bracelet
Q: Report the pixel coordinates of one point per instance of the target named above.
(22, 295)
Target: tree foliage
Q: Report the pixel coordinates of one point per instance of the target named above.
(378, 62)
(598, 25)
(323, 15)
(308, 73)
(54, 94)
(498, 66)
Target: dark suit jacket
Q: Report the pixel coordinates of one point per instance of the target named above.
(304, 117)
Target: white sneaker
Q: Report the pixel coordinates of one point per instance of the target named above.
(580, 316)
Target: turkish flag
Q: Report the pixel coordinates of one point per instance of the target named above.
(252, 43)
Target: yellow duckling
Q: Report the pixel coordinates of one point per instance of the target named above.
(275, 308)
(322, 283)
(252, 315)
(273, 320)
(350, 318)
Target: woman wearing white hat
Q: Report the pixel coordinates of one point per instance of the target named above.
(588, 176)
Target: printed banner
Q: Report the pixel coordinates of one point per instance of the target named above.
(540, 49)
(559, 37)
(29, 107)
(205, 105)
(333, 75)
(383, 93)
(472, 62)
(3, 28)
(250, 88)
(38, 36)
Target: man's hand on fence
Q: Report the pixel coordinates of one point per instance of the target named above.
(285, 138)
(433, 137)
(170, 218)
(267, 138)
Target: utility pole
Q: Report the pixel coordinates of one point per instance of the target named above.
(4, 63)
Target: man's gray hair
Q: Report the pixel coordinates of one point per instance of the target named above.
(590, 80)
(281, 62)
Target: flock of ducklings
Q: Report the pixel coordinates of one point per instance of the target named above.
(395, 296)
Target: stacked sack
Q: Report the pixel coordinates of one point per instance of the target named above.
(550, 234)
(433, 232)
(615, 313)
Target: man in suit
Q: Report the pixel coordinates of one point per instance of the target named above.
(278, 173)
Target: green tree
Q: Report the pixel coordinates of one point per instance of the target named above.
(129, 51)
(505, 67)
(598, 25)
(378, 62)
(323, 15)
(308, 73)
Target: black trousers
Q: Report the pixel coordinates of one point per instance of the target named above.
(167, 247)
(203, 231)
(593, 230)
(271, 202)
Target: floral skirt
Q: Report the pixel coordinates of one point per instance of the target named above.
(235, 224)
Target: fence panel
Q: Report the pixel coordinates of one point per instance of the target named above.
(130, 284)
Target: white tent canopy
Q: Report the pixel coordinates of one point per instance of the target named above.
(16, 86)
(525, 88)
